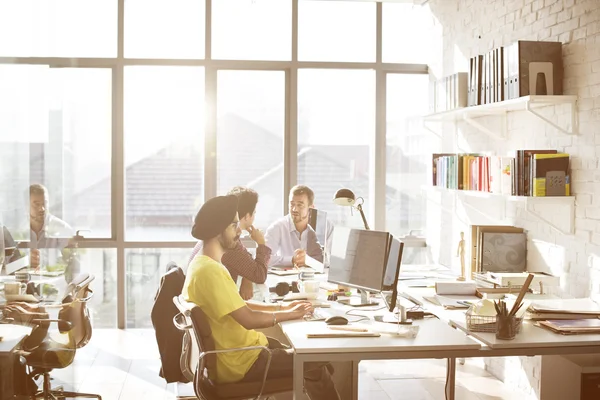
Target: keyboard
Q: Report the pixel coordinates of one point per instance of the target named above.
(317, 315)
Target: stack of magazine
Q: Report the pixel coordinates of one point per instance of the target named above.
(572, 326)
(568, 310)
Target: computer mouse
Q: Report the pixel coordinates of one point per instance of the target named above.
(336, 320)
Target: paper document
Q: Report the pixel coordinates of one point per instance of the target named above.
(459, 288)
(576, 306)
(451, 302)
(314, 264)
(16, 265)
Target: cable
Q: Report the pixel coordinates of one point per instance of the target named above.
(362, 316)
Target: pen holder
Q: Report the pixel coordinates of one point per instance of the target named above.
(507, 326)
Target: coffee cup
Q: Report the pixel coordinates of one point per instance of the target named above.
(310, 286)
(15, 288)
(22, 276)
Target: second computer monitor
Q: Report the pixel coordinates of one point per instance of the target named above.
(359, 258)
(390, 279)
(317, 219)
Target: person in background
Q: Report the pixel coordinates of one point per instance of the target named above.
(46, 230)
(233, 321)
(290, 238)
(238, 261)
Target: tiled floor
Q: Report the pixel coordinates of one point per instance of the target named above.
(124, 365)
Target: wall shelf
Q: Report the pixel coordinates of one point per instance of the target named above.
(558, 212)
(499, 110)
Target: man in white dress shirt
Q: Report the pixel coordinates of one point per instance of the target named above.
(46, 230)
(290, 238)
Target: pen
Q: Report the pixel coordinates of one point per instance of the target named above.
(348, 328)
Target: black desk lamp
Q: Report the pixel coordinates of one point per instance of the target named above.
(345, 197)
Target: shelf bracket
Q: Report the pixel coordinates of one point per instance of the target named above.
(573, 130)
(530, 209)
(486, 130)
(477, 210)
(426, 126)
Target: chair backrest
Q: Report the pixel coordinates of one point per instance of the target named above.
(202, 335)
(78, 293)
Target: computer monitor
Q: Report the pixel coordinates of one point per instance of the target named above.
(317, 219)
(359, 260)
(392, 270)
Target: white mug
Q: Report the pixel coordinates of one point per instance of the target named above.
(310, 286)
(15, 288)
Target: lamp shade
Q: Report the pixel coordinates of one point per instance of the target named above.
(344, 197)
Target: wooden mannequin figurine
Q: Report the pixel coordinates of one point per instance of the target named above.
(460, 252)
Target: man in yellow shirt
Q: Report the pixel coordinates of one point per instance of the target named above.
(233, 321)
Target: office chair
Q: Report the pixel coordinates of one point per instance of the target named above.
(75, 326)
(192, 318)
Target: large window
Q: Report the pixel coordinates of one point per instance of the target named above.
(164, 151)
(131, 137)
(336, 127)
(250, 135)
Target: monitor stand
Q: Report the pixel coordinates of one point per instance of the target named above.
(364, 301)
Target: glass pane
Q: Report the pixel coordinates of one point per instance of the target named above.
(144, 268)
(336, 31)
(263, 29)
(73, 160)
(14, 180)
(407, 153)
(336, 128)
(164, 28)
(24, 91)
(164, 151)
(409, 34)
(75, 165)
(250, 127)
(58, 28)
(103, 264)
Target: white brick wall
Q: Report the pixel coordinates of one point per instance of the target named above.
(473, 27)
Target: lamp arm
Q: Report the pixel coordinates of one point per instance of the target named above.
(362, 215)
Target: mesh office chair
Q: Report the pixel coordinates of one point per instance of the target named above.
(57, 349)
(191, 318)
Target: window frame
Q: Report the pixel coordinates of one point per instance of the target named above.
(376, 210)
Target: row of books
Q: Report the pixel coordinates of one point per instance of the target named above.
(520, 69)
(536, 173)
(448, 93)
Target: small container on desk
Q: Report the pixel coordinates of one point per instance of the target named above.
(480, 323)
(507, 326)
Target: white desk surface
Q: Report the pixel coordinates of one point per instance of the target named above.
(12, 336)
(531, 336)
(433, 335)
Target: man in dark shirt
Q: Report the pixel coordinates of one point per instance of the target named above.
(238, 260)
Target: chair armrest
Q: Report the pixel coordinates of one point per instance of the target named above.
(269, 355)
(182, 326)
(45, 322)
(87, 298)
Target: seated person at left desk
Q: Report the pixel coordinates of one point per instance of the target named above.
(46, 231)
(291, 238)
(233, 321)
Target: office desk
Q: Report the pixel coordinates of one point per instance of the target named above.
(436, 339)
(12, 337)
(533, 340)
